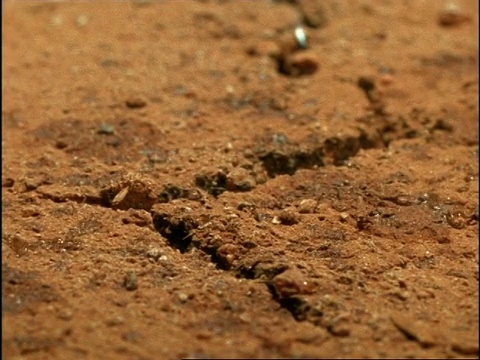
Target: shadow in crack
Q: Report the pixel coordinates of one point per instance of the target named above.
(176, 231)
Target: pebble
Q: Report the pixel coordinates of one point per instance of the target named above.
(115, 321)
(106, 129)
(344, 216)
(245, 318)
(442, 239)
(8, 182)
(227, 253)
(404, 200)
(287, 217)
(275, 219)
(300, 63)
(135, 102)
(456, 220)
(451, 16)
(130, 281)
(182, 297)
(386, 79)
(292, 282)
(154, 253)
(65, 315)
(340, 329)
(307, 206)
(240, 179)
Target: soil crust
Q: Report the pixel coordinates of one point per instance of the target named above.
(198, 180)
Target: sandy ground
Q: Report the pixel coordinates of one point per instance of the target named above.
(188, 179)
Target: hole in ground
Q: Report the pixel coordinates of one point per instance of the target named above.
(176, 231)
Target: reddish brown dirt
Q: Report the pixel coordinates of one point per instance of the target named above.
(180, 180)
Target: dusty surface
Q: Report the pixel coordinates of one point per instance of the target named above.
(180, 180)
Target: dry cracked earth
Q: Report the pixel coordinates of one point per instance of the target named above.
(186, 180)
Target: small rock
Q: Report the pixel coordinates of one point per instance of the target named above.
(8, 182)
(245, 318)
(344, 216)
(292, 282)
(130, 282)
(106, 129)
(340, 329)
(456, 220)
(451, 16)
(280, 138)
(61, 144)
(275, 219)
(183, 297)
(154, 253)
(386, 79)
(245, 205)
(307, 206)
(132, 191)
(66, 315)
(136, 102)
(115, 321)
(444, 240)
(288, 217)
(240, 179)
(227, 253)
(404, 200)
(299, 64)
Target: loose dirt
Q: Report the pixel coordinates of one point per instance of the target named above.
(182, 179)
